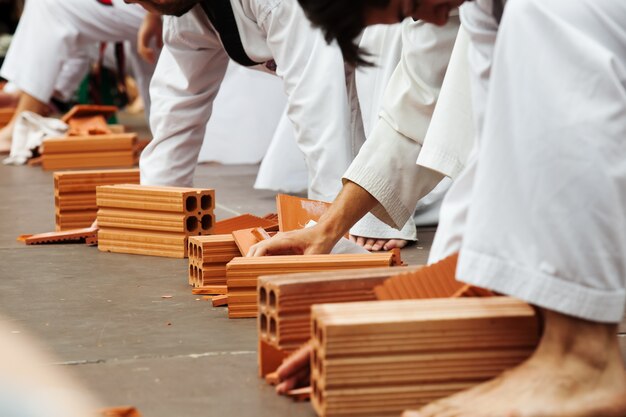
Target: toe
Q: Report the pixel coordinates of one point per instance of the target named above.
(378, 245)
(369, 243)
(395, 243)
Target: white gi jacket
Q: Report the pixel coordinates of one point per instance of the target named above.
(386, 164)
(191, 69)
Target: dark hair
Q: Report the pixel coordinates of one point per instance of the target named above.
(342, 20)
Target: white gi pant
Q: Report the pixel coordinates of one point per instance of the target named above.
(541, 214)
(50, 51)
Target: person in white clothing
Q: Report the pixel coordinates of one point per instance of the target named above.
(547, 176)
(422, 144)
(49, 53)
(422, 64)
(273, 34)
(386, 46)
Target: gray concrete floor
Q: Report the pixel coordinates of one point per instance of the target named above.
(103, 316)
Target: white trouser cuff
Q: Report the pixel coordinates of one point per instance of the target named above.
(541, 289)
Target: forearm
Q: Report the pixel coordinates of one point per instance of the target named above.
(352, 203)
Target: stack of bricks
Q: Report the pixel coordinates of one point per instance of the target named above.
(95, 151)
(285, 305)
(379, 358)
(75, 194)
(208, 255)
(242, 273)
(152, 221)
(89, 142)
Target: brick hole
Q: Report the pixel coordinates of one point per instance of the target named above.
(262, 296)
(272, 299)
(191, 203)
(205, 202)
(263, 324)
(192, 223)
(272, 328)
(207, 222)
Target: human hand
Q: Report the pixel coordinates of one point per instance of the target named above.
(307, 241)
(151, 29)
(295, 371)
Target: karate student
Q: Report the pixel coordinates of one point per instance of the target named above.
(273, 34)
(412, 147)
(548, 176)
(49, 52)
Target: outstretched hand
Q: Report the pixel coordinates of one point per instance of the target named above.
(307, 241)
(151, 29)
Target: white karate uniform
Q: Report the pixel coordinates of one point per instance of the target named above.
(51, 48)
(191, 69)
(541, 214)
(386, 164)
(385, 43)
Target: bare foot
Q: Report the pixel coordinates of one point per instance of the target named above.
(374, 244)
(577, 371)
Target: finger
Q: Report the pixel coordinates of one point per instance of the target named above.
(144, 52)
(360, 241)
(285, 386)
(369, 243)
(378, 245)
(254, 250)
(352, 238)
(301, 378)
(150, 56)
(294, 363)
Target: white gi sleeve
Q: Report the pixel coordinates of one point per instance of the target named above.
(385, 165)
(187, 79)
(315, 83)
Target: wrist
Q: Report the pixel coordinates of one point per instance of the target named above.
(330, 232)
